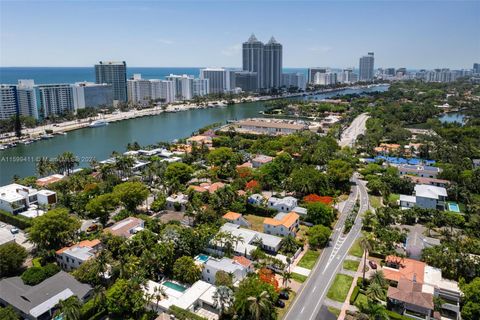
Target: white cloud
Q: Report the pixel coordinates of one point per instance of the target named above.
(232, 50)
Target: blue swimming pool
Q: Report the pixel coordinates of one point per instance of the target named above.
(174, 286)
(452, 206)
(202, 258)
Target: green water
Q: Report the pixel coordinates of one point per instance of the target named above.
(98, 143)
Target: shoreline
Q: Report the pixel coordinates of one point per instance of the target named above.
(66, 126)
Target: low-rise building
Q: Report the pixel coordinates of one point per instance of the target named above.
(426, 197)
(256, 199)
(177, 202)
(207, 187)
(420, 171)
(417, 285)
(430, 181)
(236, 218)
(230, 266)
(45, 181)
(283, 224)
(18, 199)
(260, 160)
(126, 228)
(282, 204)
(200, 140)
(72, 257)
(39, 302)
(270, 127)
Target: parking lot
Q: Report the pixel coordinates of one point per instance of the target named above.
(19, 237)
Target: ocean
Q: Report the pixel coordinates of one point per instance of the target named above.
(45, 75)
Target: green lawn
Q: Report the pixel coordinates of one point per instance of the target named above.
(298, 277)
(335, 311)
(255, 221)
(309, 259)
(356, 250)
(351, 265)
(375, 201)
(281, 311)
(339, 289)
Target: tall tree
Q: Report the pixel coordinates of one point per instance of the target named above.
(12, 257)
(70, 308)
(131, 194)
(223, 298)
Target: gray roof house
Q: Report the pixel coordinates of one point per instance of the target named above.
(38, 302)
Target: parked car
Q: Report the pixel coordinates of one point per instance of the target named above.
(92, 228)
(280, 304)
(283, 295)
(14, 230)
(372, 264)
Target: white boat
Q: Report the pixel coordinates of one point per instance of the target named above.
(46, 136)
(98, 123)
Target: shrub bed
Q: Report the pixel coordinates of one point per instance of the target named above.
(18, 221)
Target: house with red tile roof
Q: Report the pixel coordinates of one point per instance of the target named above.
(236, 218)
(72, 257)
(283, 224)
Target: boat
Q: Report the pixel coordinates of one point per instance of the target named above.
(46, 136)
(25, 142)
(98, 123)
(2, 147)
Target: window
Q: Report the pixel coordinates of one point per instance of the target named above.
(208, 270)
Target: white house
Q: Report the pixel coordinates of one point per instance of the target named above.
(260, 160)
(230, 266)
(236, 218)
(15, 198)
(283, 205)
(283, 224)
(256, 199)
(72, 257)
(126, 228)
(177, 202)
(425, 196)
(420, 171)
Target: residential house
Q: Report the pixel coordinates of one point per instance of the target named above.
(200, 140)
(282, 225)
(426, 197)
(236, 218)
(430, 181)
(206, 186)
(39, 302)
(270, 126)
(177, 202)
(419, 170)
(251, 240)
(416, 286)
(247, 263)
(283, 205)
(126, 228)
(45, 181)
(256, 199)
(230, 266)
(18, 199)
(260, 160)
(476, 163)
(72, 257)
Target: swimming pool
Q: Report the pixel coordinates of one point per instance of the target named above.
(453, 206)
(174, 286)
(202, 258)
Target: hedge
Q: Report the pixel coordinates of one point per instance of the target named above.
(354, 295)
(395, 316)
(18, 221)
(260, 211)
(183, 314)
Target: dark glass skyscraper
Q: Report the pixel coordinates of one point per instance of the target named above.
(366, 67)
(272, 64)
(253, 58)
(114, 73)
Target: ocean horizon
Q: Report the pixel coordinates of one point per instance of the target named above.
(49, 75)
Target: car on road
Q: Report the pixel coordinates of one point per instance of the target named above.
(372, 264)
(280, 304)
(14, 230)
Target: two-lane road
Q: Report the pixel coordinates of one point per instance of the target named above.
(312, 294)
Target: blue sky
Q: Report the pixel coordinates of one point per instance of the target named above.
(424, 34)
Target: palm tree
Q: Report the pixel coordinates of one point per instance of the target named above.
(66, 162)
(374, 311)
(375, 291)
(379, 278)
(99, 295)
(70, 308)
(259, 305)
(222, 298)
(286, 276)
(366, 244)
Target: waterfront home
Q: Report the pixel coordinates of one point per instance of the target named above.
(126, 228)
(45, 181)
(236, 218)
(426, 197)
(420, 171)
(283, 224)
(256, 199)
(269, 126)
(197, 298)
(72, 257)
(416, 286)
(260, 160)
(177, 202)
(40, 301)
(18, 199)
(211, 266)
(200, 140)
(251, 240)
(430, 181)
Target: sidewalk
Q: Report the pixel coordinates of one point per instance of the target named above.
(346, 304)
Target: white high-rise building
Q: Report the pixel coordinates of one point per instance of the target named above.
(92, 95)
(55, 99)
(162, 89)
(325, 79)
(201, 87)
(183, 86)
(138, 89)
(348, 76)
(8, 101)
(27, 98)
(218, 77)
(294, 80)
